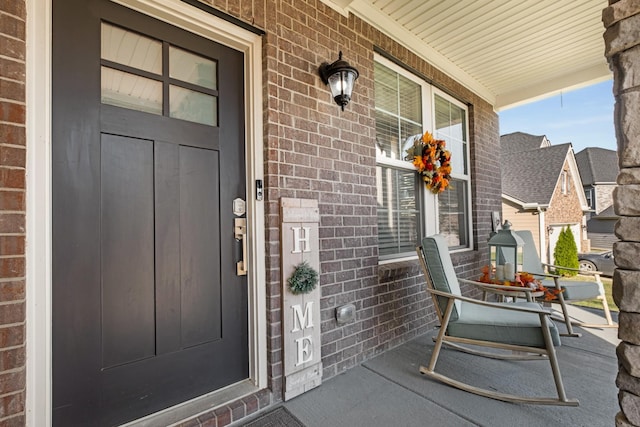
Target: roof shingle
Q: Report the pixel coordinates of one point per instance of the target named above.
(597, 165)
(531, 174)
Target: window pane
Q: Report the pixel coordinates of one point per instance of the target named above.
(192, 68)
(386, 84)
(410, 100)
(458, 126)
(452, 210)
(398, 112)
(131, 91)
(451, 126)
(398, 216)
(193, 106)
(442, 114)
(132, 49)
(408, 132)
(387, 131)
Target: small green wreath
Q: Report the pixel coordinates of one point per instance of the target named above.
(303, 279)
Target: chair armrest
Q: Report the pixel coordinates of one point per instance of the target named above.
(590, 272)
(489, 286)
(512, 307)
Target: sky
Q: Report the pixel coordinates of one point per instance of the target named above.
(583, 117)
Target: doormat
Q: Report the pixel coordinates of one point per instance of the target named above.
(279, 417)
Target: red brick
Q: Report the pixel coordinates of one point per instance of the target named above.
(223, 416)
(12, 313)
(11, 336)
(12, 69)
(15, 7)
(12, 267)
(12, 178)
(237, 410)
(12, 134)
(14, 91)
(12, 223)
(12, 156)
(251, 404)
(11, 381)
(12, 359)
(11, 404)
(16, 421)
(208, 419)
(12, 291)
(11, 112)
(12, 48)
(12, 26)
(11, 201)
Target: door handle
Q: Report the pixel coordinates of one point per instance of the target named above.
(240, 234)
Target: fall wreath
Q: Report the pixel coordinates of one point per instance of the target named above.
(432, 161)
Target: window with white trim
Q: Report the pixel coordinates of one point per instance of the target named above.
(406, 107)
(565, 182)
(589, 194)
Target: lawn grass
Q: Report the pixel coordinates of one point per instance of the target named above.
(607, 283)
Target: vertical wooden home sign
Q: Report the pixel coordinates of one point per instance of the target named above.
(301, 312)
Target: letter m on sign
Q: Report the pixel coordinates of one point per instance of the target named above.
(302, 320)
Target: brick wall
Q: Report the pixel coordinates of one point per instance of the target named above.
(312, 150)
(566, 208)
(12, 212)
(316, 151)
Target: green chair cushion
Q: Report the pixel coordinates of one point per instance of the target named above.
(575, 291)
(441, 271)
(504, 326)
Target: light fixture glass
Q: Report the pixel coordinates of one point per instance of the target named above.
(341, 77)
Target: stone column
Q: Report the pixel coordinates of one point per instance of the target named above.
(622, 39)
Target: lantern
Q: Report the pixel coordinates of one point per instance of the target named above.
(505, 251)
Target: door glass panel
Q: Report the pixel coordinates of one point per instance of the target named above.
(193, 106)
(130, 91)
(192, 68)
(132, 49)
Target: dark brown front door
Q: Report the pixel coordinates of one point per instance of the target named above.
(147, 158)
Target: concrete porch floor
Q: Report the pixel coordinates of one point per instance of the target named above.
(388, 390)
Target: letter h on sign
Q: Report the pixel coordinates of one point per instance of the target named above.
(301, 236)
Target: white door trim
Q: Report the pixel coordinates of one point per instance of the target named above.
(38, 403)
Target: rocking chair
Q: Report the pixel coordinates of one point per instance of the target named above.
(523, 330)
(572, 290)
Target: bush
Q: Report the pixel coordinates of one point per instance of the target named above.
(565, 253)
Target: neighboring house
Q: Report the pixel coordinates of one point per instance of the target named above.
(153, 152)
(599, 170)
(541, 190)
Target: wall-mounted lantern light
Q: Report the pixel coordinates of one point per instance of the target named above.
(340, 76)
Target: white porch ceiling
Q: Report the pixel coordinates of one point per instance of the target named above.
(508, 51)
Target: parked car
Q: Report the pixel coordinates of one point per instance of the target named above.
(602, 262)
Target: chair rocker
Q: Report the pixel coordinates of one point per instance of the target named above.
(523, 330)
(571, 290)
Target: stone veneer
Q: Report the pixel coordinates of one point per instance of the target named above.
(622, 37)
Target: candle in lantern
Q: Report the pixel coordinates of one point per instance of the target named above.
(509, 271)
(500, 272)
